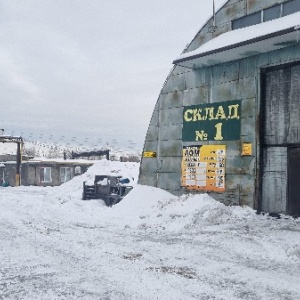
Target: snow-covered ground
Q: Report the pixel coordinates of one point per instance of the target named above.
(152, 245)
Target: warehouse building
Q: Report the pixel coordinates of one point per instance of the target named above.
(227, 120)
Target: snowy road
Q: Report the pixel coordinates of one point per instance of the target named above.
(57, 248)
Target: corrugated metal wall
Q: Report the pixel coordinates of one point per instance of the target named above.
(238, 80)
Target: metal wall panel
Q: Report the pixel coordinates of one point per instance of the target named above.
(170, 132)
(148, 178)
(294, 109)
(171, 148)
(197, 78)
(225, 73)
(170, 116)
(226, 91)
(277, 108)
(274, 180)
(152, 133)
(282, 113)
(175, 83)
(171, 100)
(170, 165)
(150, 165)
(196, 96)
(168, 181)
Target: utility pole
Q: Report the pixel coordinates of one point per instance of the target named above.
(18, 164)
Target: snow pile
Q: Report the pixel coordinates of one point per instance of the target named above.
(150, 207)
(72, 190)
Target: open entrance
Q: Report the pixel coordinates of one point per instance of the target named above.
(280, 190)
(294, 182)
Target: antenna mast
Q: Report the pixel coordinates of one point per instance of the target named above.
(214, 14)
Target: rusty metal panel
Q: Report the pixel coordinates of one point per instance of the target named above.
(248, 87)
(230, 11)
(282, 98)
(263, 60)
(175, 83)
(274, 180)
(151, 146)
(170, 148)
(149, 165)
(289, 54)
(168, 181)
(247, 67)
(170, 116)
(246, 190)
(203, 37)
(237, 165)
(171, 100)
(247, 129)
(294, 122)
(196, 78)
(155, 114)
(147, 178)
(179, 70)
(152, 133)
(277, 98)
(226, 91)
(225, 73)
(232, 149)
(256, 5)
(170, 165)
(196, 96)
(249, 108)
(170, 132)
(231, 71)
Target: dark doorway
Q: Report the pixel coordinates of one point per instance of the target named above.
(294, 182)
(280, 142)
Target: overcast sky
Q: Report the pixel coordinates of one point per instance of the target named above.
(95, 68)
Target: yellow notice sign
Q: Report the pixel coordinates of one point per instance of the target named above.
(246, 149)
(203, 167)
(149, 154)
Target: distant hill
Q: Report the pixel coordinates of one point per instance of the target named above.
(38, 149)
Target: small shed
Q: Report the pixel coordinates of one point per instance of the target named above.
(43, 172)
(52, 172)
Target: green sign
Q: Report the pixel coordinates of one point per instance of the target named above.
(212, 122)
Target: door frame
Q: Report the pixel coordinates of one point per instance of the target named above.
(261, 133)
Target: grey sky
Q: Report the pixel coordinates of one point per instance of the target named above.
(70, 67)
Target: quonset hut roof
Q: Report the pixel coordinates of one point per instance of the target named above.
(240, 43)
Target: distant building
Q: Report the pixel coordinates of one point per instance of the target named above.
(41, 172)
(227, 120)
